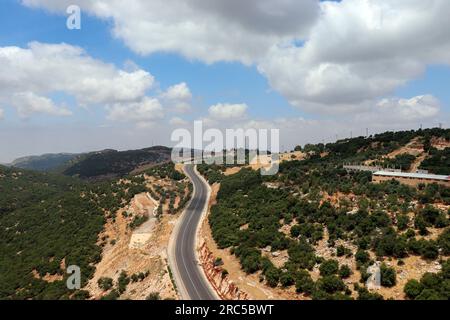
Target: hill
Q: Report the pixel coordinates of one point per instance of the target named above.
(46, 162)
(95, 165)
(49, 222)
(112, 163)
(317, 231)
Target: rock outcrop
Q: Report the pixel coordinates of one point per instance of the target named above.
(218, 278)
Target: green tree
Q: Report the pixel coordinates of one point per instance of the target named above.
(345, 272)
(413, 288)
(329, 267)
(388, 276)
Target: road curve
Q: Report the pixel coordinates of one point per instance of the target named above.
(188, 274)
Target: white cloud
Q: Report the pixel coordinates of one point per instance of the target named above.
(47, 68)
(325, 57)
(360, 51)
(142, 112)
(178, 97)
(418, 108)
(177, 121)
(228, 111)
(210, 31)
(28, 103)
(1, 114)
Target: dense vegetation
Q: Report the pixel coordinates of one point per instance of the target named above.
(316, 199)
(46, 162)
(112, 163)
(438, 162)
(49, 222)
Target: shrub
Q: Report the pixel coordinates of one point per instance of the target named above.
(153, 296)
(388, 276)
(105, 283)
(413, 288)
(329, 267)
(345, 272)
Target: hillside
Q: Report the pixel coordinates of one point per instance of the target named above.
(95, 165)
(316, 231)
(48, 222)
(112, 163)
(46, 162)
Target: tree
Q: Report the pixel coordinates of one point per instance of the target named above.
(345, 272)
(304, 283)
(272, 276)
(444, 242)
(105, 283)
(123, 282)
(402, 222)
(388, 276)
(413, 288)
(329, 267)
(331, 284)
(430, 250)
(362, 257)
(153, 296)
(287, 279)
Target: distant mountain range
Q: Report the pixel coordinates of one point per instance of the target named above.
(95, 165)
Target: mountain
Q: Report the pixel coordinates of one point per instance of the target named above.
(46, 162)
(95, 165)
(112, 163)
(48, 222)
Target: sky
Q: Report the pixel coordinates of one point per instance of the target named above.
(137, 70)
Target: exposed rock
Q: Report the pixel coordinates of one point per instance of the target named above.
(225, 288)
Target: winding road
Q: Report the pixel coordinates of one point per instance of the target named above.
(189, 276)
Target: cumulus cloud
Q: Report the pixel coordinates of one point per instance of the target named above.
(142, 112)
(210, 31)
(28, 103)
(48, 68)
(178, 97)
(323, 56)
(420, 108)
(226, 111)
(360, 51)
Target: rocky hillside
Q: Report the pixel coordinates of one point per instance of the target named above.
(316, 231)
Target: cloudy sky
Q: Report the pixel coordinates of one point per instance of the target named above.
(139, 69)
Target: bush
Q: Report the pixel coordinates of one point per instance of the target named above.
(331, 284)
(413, 288)
(153, 296)
(329, 267)
(123, 282)
(362, 257)
(105, 283)
(345, 272)
(304, 283)
(113, 295)
(286, 279)
(388, 276)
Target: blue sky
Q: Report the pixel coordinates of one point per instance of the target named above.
(263, 79)
(222, 81)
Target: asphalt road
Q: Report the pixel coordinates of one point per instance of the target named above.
(190, 274)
